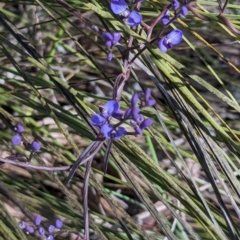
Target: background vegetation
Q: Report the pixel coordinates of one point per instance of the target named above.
(180, 177)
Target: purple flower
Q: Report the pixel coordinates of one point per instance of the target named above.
(135, 114)
(97, 120)
(141, 124)
(51, 228)
(118, 6)
(110, 109)
(184, 11)
(175, 4)
(111, 39)
(41, 231)
(133, 109)
(38, 220)
(107, 38)
(16, 139)
(146, 123)
(138, 122)
(50, 237)
(116, 37)
(58, 223)
(138, 130)
(19, 128)
(164, 45)
(22, 225)
(110, 132)
(127, 114)
(149, 101)
(134, 100)
(134, 18)
(132, 113)
(166, 18)
(35, 145)
(173, 38)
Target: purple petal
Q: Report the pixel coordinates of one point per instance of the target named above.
(109, 57)
(127, 113)
(51, 228)
(41, 231)
(118, 6)
(118, 114)
(16, 139)
(110, 107)
(146, 123)
(150, 103)
(120, 133)
(109, 44)
(147, 97)
(135, 113)
(184, 11)
(107, 36)
(58, 223)
(116, 38)
(38, 220)
(134, 100)
(162, 45)
(175, 36)
(165, 20)
(106, 130)
(29, 229)
(97, 120)
(139, 119)
(35, 145)
(19, 128)
(134, 18)
(147, 94)
(175, 4)
(138, 131)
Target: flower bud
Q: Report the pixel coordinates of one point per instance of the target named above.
(38, 220)
(35, 145)
(51, 228)
(58, 223)
(16, 139)
(19, 128)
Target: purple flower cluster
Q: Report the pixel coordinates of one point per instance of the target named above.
(17, 138)
(120, 7)
(175, 36)
(110, 40)
(112, 110)
(49, 234)
(180, 11)
(133, 18)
